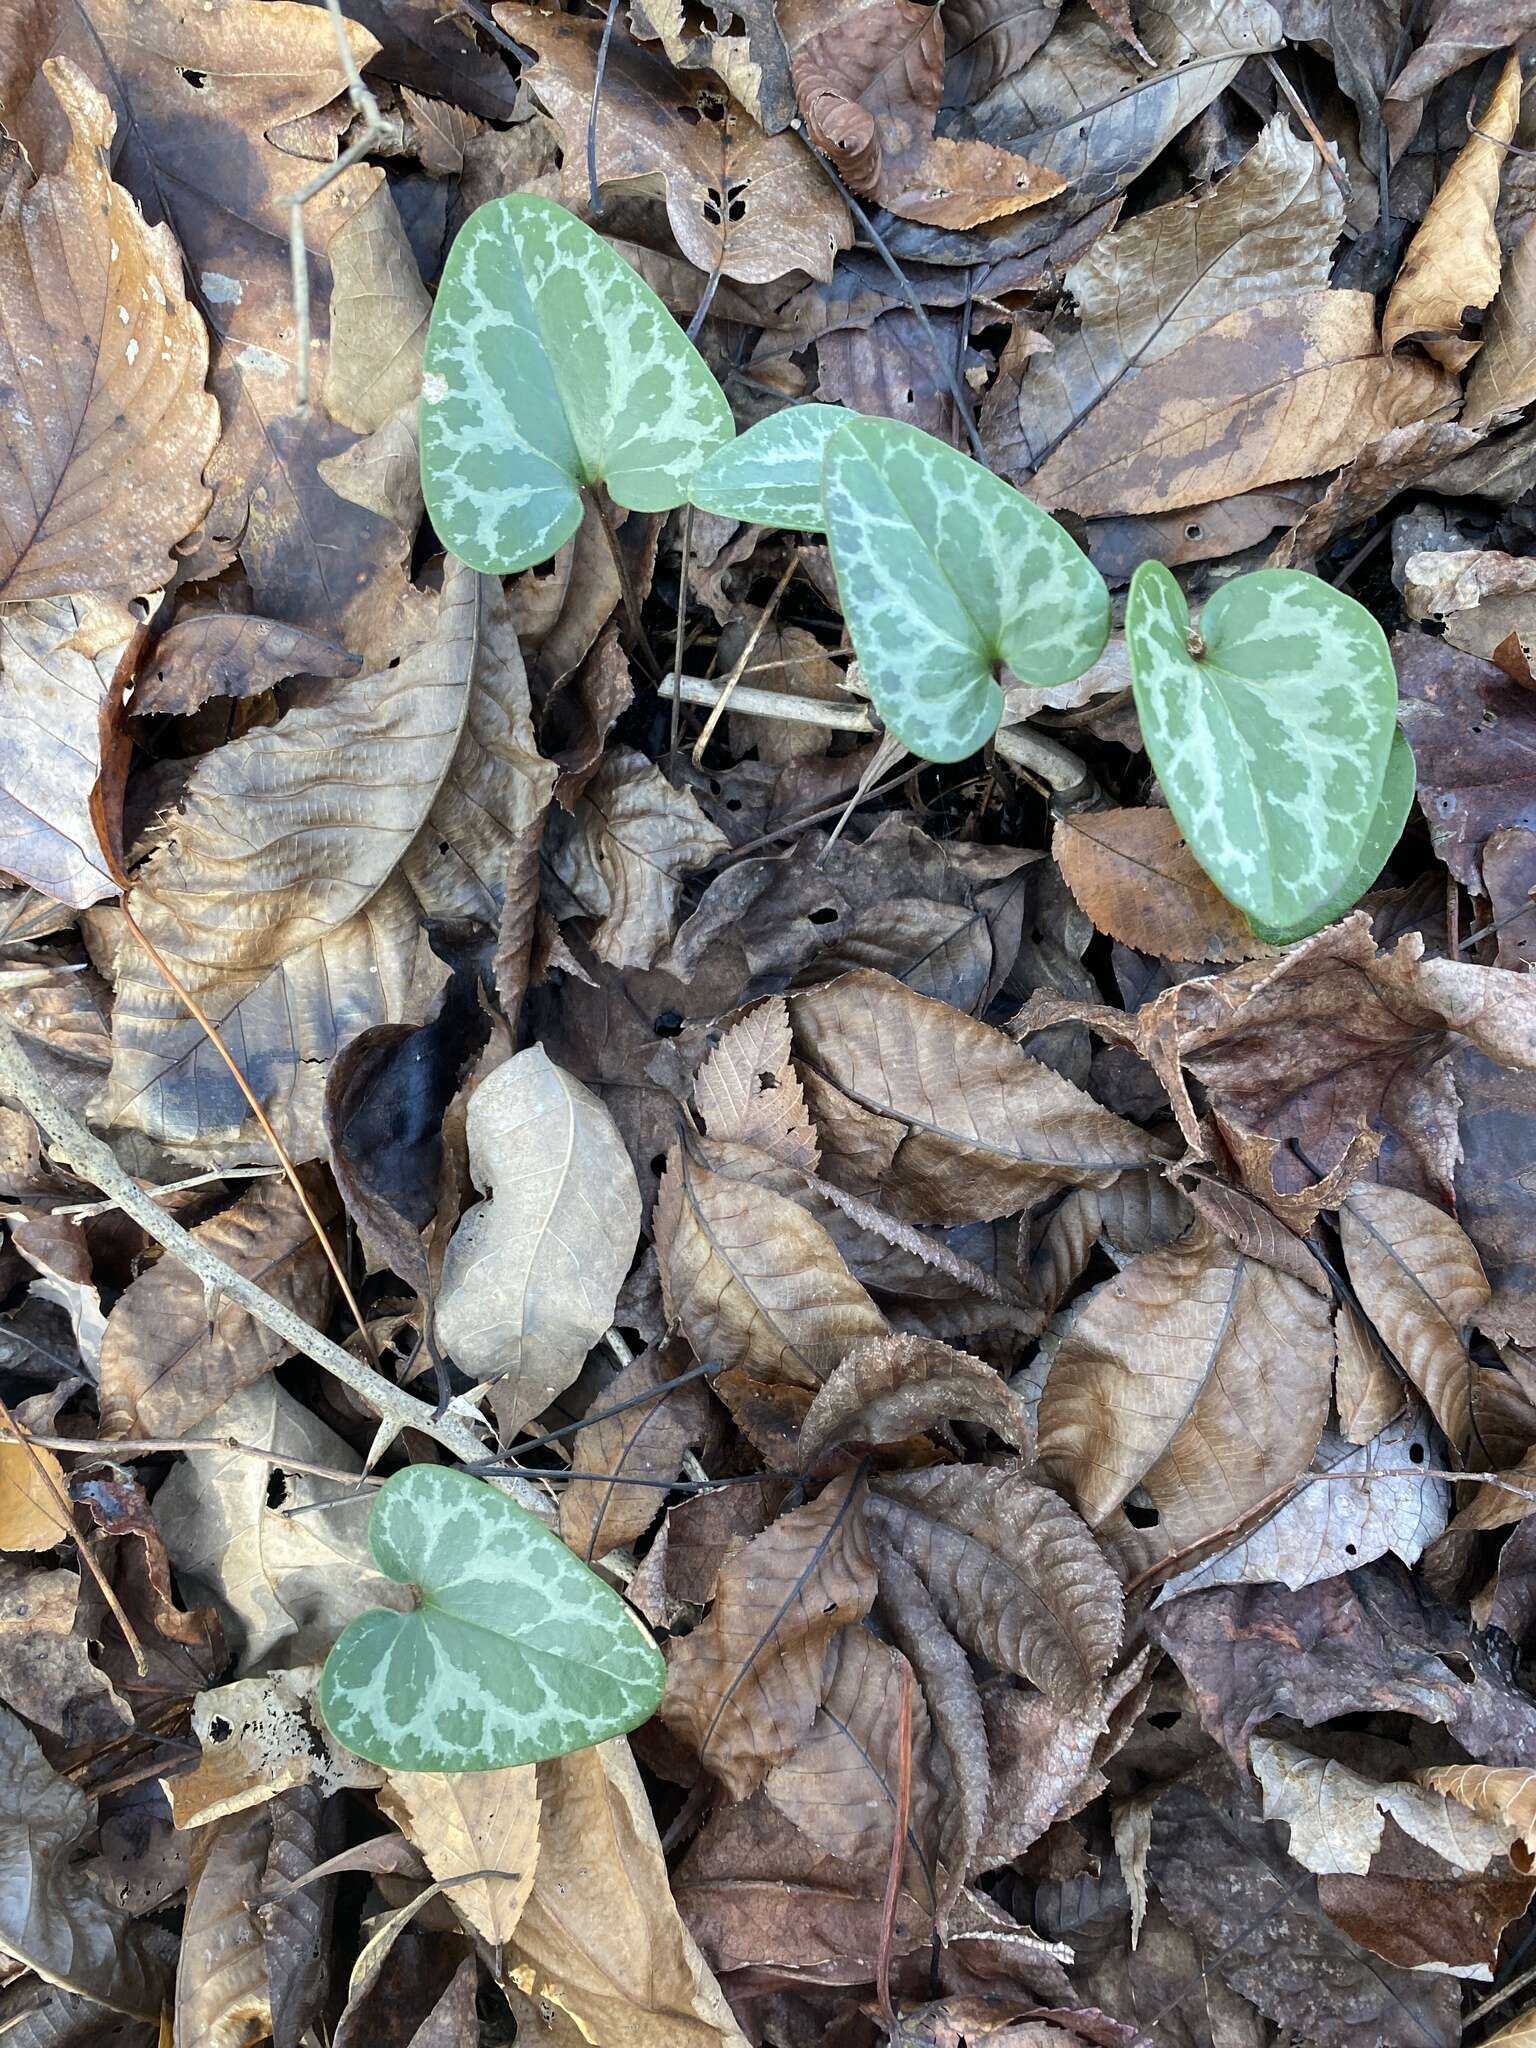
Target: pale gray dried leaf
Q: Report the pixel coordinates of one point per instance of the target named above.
(379, 314)
(1419, 1279)
(1196, 1371)
(392, 794)
(1328, 1527)
(1014, 1572)
(887, 1388)
(743, 1689)
(532, 1274)
(293, 1580)
(46, 1671)
(1042, 1760)
(1368, 1391)
(261, 1736)
(56, 1916)
(169, 1356)
(466, 1821)
(646, 1441)
(754, 1281)
(222, 1994)
(748, 1089)
(624, 851)
(1337, 1817)
(981, 1129)
(382, 471)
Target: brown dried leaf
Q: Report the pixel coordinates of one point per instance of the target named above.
(1454, 260)
(754, 1281)
(168, 1359)
(379, 314)
(1042, 1764)
(751, 205)
(1419, 1279)
(1366, 1391)
(110, 428)
(887, 1388)
(1016, 1576)
(1200, 1373)
(1337, 1817)
(644, 1442)
(1503, 378)
(982, 1130)
(1132, 873)
(1284, 389)
(1255, 1231)
(868, 75)
(473, 1821)
(748, 1089)
(743, 1689)
(1505, 1796)
(987, 40)
(1473, 734)
(230, 654)
(222, 1995)
(46, 1672)
(30, 1515)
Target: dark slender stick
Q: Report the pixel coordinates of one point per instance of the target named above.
(597, 93)
(678, 636)
(552, 1436)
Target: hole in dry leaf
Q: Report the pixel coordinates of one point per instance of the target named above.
(277, 1487)
(711, 106)
(1141, 1515)
(1415, 1454)
(691, 115)
(767, 1081)
(196, 79)
(667, 1023)
(1194, 530)
(1166, 1717)
(1350, 1550)
(658, 1164)
(219, 1729)
(1457, 1666)
(826, 915)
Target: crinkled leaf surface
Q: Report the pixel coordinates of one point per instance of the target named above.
(514, 1652)
(1272, 743)
(944, 572)
(551, 364)
(771, 474)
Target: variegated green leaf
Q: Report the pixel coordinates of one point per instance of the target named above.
(1271, 737)
(514, 1652)
(945, 572)
(1386, 828)
(771, 474)
(549, 365)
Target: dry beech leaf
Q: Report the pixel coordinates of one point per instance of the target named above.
(982, 1129)
(1419, 1279)
(1366, 1390)
(600, 1939)
(647, 1441)
(1280, 390)
(57, 660)
(230, 654)
(751, 205)
(393, 794)
(1132, 873)
(869, 75)
(748, 1089)
(752, 64)
(754, 1281)
(30, 1515)
(169, 1358)
(379, 314)
(222, 1993)
(532, 1274)
(1197, 1372)
(887, 1388)
(1507, 1797)
(624, 851)
(107, 431)
(1015, 1574)
(469, 1821)
(1454, 260)
(743, 1689)
(1255, 1230)
(1503, 378)
(1337, 1817)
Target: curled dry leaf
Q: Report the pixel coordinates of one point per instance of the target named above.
(754, 1281)
(1337, 1817)
(532, 1274)
(1366, 1389)
(1132, 873)
(470, 1821)
(981, 1130)
(1012, 1570)
(1503, 378)
(167, 1360)
(743, 1689)
(107, 431)
(222, 1993)
(230, 654)
(887, 1388)
(1506, 1797)
(1419, 1279)
(646, 1441)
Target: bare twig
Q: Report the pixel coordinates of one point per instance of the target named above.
(898, 1852)
(593, 194)
(1319, 141)
(114, 1449)
(717, 710)
(680, 631)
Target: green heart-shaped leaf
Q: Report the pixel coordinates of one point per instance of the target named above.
(515, 1651)
(1386, 828)
(945, 571)
(1271, 741)
(771, 474)
(549, 365)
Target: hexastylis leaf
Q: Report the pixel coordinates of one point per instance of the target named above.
(551, 364)
(515, 1651)
(945, 572)
(1269, 732)
(1386, 828)
(771, 474)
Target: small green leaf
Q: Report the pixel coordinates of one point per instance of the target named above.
(550, 364)
(514, 1653)
(944, 572)
(1271, 742)
(771, 474)
(1386, 828)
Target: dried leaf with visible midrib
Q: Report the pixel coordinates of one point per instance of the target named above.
(748, 1089)
(988, 1130)
(743, 1689)
(106, 436)
(1132, 873)
(1198, 1371)
(644, 1442)
(473, 1820)
(755, 1281)
(1420, 1281)
(887, 1388)
(1499, 1794)
(1013, 1571)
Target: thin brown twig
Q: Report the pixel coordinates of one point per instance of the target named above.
(763, 617)
(115, 1449)
(898, 1852)
(1497, 1997)
(1319, 141)
(594, 196)
(680, 631)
